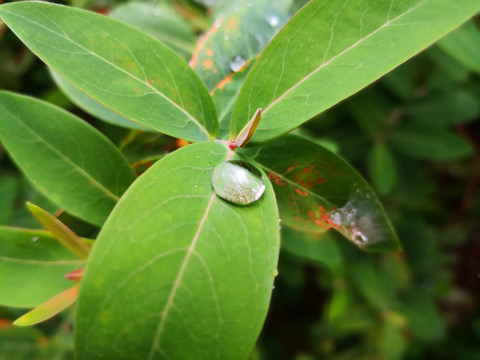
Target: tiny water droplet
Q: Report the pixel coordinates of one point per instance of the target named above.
(275, 273)
(35, 239)
(237, 63)
(358, 237)
(226, 37)
(273, 287)
(273, 20)
(196, 185)
(238, 182)
(279, 220)
(198, 156)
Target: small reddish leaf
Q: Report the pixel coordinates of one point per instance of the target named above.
(62, 233)
(247, 132)
(75, 275)
(49, 308)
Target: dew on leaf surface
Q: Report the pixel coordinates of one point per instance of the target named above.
(237, 63)
(238, 182)
(273, 20)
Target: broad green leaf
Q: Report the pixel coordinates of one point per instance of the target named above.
(429, 142)
(49, 308)
(195, 269)
(462, 45)
(316, 190)
(119, 66)
(382, 168)
(161, 22)
(332, 49)
(32, 267)
(69, 161)
(61, 232)
(234, 40)
(91, 106)
(443, 109)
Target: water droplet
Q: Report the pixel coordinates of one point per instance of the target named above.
(198, 156)
(226, 37)
(238, 182)
(196, 185)
(275, 273)
(273, 287)
(273, 20)
(279, 220)
(237, 63)
(35, 239)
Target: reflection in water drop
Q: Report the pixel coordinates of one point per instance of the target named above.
(273, 20)
(238, 182)
(237, 63)
(226, 37)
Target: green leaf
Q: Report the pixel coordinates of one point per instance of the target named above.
(32, 267)
(49, 308)
(443, 109)
(8, 191)
(429, 142)
(318, 248)
(62, 233)
(234, 40)
(316, 191)
(382, 168)
(119, 66)
(224, 96)
(91, 106)
(161, 22)
(332, 49)
(194, 268)
(59, 153)
(462, 45)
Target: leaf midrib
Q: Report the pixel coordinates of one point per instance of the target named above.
(190, 116)
(324, 64)
(178, 279)
(41, 262)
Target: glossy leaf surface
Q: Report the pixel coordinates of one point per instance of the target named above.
(316, 191)
(59, 153)
(93, 107)
(32, 267)
(119, 66)
(345, 45)
(176, 264)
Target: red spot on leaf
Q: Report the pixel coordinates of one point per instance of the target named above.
(209, 52)
(299, 192)
(150, 82)
(290, 168)
(320, 181)
(277, 179)
(306, 170)
(207, 63)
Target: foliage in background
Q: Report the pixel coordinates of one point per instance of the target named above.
(414, 134)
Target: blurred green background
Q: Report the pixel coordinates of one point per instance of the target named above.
(414, 134)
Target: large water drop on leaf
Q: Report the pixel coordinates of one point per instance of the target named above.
(238, 182)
